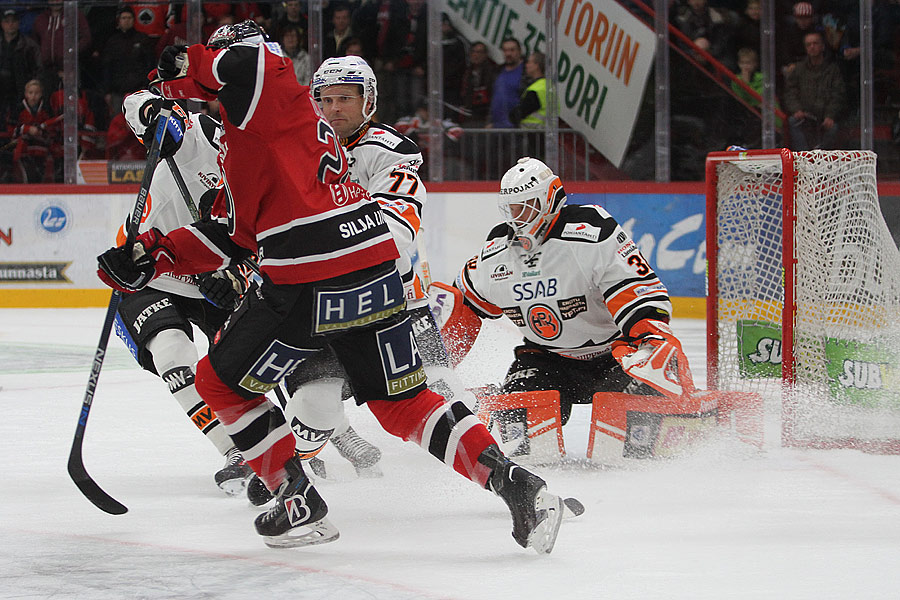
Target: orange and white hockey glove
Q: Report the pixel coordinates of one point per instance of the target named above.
(653, 355)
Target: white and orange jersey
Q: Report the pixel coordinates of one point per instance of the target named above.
(585, 285)
(166, 209)
(386, 163)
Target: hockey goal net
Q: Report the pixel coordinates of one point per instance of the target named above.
(803, 303)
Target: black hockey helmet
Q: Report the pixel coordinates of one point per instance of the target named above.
(247, 32)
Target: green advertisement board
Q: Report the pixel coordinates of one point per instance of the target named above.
(860, 373)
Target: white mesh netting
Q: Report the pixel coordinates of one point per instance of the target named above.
(846, 346)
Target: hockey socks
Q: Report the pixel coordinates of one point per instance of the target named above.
(256, 427)
(449, 431)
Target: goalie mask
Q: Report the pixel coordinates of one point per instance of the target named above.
(531, 196)
(246, 32)
(348, 70)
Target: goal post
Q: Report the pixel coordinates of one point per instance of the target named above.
(803, 294)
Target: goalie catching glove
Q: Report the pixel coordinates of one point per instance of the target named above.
(223, 288)
(653, 355)
(129, 268)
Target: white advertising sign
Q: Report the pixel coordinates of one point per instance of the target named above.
(52, 241)
(605, 57)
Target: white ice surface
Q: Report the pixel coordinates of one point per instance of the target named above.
(726, 522)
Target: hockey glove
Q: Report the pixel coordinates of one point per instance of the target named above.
(172, 62)
(223, 288)
(129, 269)
(171, 140)
(653, 355)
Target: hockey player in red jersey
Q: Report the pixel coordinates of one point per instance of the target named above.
(593, 314)
(329, 280)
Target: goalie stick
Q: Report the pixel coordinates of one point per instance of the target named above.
(195, 214)
(76, 468)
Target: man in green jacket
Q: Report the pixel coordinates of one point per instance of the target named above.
(814, 98)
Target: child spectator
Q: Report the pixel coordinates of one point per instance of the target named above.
(38, 137)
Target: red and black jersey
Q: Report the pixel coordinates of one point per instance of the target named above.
(284, 172)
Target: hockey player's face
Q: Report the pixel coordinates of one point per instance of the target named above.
(343, 107)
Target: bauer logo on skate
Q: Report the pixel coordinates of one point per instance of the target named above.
(276, 362)
(372, 301)
(400, 358)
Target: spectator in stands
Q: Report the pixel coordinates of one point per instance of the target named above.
(20, 61)
(176, 33)
(38, 137)
(453, 51)
(531, 111)
(49, 33)
(127, 58)
(353, 47)
(417, 127)
(293, 42)
(88, 133)
(293, 17)
(746, 33)
(121, 143)
(334, 42)
(790, 44)
(814, 98)
(478, 86)
(710, 29)
(394, 32)
(746, 125)
(508, 84)
(150, 18)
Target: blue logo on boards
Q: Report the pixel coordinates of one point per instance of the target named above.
(53, 219)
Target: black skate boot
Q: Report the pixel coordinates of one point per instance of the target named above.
(536, 513)
(358, 451)
(232, 478)
(298, 517)
(257, 492)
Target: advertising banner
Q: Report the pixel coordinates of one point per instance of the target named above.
(51, 241)
(605, 57)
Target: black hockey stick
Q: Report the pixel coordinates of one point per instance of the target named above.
(195, 214)
(76, 468)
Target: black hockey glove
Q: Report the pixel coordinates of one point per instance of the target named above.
(223, 288)
(131, 268)
(172, 62)
(171, 140)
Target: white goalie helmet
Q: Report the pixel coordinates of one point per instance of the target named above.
(531, 196)
(348, 70)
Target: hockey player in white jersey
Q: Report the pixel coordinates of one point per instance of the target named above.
(593, 314)
(386, 164)
(156, 322)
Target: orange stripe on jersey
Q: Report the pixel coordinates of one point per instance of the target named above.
(627, 295)
(120, 235)
(483, 305)
(405, 211)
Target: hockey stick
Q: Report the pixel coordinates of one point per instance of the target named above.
(76, 468)
(195, 214)
(423, 260)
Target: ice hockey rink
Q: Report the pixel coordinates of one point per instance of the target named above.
(727, 521)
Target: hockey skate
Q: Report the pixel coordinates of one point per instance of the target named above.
(536, 513)
(298, 517)
(233, 477)
(257, 492)
(363, 455)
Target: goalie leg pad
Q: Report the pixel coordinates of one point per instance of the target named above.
(541, 438)
(628, 426)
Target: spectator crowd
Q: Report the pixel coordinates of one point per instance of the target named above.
(817, 55)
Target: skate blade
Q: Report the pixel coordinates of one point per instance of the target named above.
(313, 534)
(572, 508)
(543, 536)
(234, 487)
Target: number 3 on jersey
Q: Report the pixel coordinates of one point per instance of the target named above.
(334, 160)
